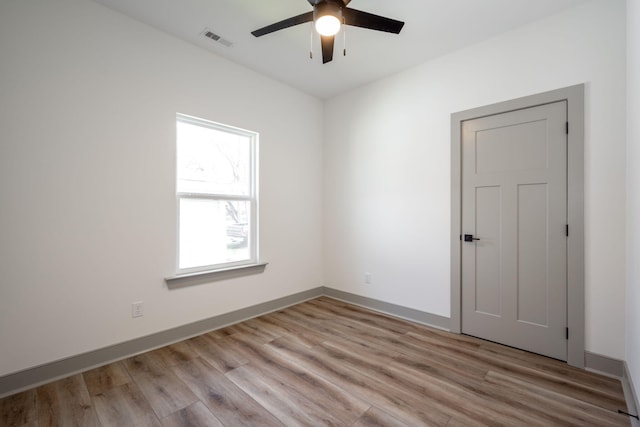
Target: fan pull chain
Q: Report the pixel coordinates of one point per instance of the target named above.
(344, 38)
(311, 42)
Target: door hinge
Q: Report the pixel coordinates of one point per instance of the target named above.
(566, 336)
(566, 230)
(567, 128)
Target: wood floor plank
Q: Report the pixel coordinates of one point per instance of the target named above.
(375, 417)
(196, 415)
(19, 410)
(144, 363)
(455, 343)
(231, 405)
(403, 405)
(294, 331)
(326, 396)
(124, 405)
(256, 329)
(310, 336)
(321, 328)
(454, 367)
(174, 354)
(65, 402)
(106, 377)
(219, 352)
(288, 406)
(221, 333)
(165, 392)
(459, 421)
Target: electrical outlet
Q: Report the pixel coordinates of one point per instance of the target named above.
(136, 309)
(367, 278)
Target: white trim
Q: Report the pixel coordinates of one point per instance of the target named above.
(630, 395)
(185, 118)
(211, 196)
(251, 199)
(208, 276)
(603, 365)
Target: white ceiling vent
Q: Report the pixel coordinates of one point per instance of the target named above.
(215, 37)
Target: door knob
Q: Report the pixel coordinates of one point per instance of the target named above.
(469, 238)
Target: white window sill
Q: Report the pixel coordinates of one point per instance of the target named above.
(182, 280)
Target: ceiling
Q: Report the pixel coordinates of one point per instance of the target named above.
(432, 28)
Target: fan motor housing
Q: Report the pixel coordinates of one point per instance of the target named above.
(328, 8)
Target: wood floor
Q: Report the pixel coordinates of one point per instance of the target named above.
(319, 363)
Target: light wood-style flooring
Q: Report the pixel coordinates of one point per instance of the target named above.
(325, 362)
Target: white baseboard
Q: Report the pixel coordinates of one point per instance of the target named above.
(411, 314)
(603, 364)
(32, 377)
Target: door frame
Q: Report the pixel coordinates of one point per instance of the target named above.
(574, 95)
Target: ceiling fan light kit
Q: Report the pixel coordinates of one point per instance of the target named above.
(328, 16)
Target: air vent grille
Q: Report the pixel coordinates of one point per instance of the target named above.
(215, 37)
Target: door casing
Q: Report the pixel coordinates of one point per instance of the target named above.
(574, 95)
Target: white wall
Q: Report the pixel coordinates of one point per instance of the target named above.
(633, 192)
(87, 219)
(88, 100)
(387, 162)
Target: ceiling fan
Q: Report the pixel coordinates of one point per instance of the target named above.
(328, 16)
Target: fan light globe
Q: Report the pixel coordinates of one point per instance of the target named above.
(328, 25)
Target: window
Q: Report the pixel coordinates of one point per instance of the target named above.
(216, 192)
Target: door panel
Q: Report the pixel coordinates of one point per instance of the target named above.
(487, 280)
(514, 192)
(496, 152)
(533, 246)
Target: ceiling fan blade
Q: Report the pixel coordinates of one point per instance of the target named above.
(327, 48)
(358, 18)
(290, 22)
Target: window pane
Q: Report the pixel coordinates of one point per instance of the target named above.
(212, 161)
(213, 232)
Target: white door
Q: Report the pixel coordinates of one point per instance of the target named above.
(514, 216)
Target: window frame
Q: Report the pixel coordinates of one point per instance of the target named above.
(251, 198)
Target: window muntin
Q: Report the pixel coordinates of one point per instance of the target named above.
(216, 191)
